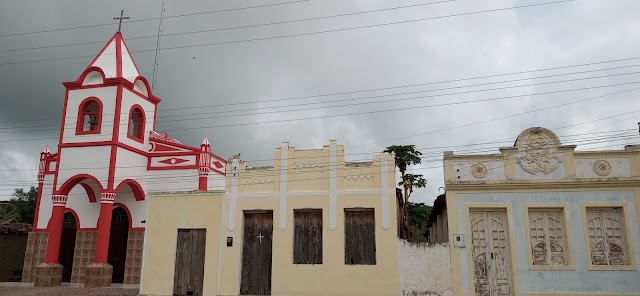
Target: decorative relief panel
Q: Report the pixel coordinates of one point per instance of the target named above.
(538, 151)
(358, 177)
(307, 165)
(479, 170)
(253, 182)
(602, 168)
(610, 167)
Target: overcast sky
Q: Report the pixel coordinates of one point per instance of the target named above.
(391, 56)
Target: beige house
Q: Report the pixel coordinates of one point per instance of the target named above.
(312, 224)
(541, 218)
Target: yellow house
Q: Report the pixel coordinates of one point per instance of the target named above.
(540, 218)
(312, 224)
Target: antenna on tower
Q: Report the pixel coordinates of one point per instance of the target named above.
(157, 58)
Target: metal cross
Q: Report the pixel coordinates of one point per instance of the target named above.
(121, 18)
(260, 237)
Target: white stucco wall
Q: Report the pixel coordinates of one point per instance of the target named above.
(425, 269)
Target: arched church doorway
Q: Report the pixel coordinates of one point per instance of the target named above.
(118, 243)
(67, 245)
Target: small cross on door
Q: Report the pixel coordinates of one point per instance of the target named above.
(260, 236)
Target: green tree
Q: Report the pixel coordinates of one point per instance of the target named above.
(406, 155)
(26, 203)
(418, 213)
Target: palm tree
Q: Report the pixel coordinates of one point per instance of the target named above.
(406, 155)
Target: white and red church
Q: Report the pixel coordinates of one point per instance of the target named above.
(92, 198)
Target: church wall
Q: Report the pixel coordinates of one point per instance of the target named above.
(84, 160)
(128, 100)
(169, 212)
(46, 204)
(87, 212)
(107, 96)
(137, 209)
(132, 165)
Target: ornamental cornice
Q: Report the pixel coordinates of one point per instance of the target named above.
(581, 183)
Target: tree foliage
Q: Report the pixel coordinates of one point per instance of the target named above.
(25, 201)
(418, 214)
(405, 155)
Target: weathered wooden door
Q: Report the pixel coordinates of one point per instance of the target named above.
(188, 278)
(256, 253)
(118, 238)
(67, 245)
(490, 253)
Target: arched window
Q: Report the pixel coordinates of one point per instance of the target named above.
(136, 124)
(89, 117)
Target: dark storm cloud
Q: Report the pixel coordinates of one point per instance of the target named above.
(467, 46)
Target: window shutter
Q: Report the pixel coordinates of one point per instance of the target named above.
(307, 241)
(606, 237)
(360, 237)
(547, 235)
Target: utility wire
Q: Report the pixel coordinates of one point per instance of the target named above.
(388, 88)
(243, 27)
(155, 18)
(404, 108)
(313, 33)
(71, 120)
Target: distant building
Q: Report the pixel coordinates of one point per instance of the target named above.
(542, 219)
(93, 189)
(312, 224)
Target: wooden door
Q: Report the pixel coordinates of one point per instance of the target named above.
(256, 253)
(118, 237)
(188, 277)
(67, 245)
(490, 253)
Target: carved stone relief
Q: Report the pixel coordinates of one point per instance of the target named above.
(540, 151)
(479, 171)
(602, 168)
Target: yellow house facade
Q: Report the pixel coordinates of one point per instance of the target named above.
(311, 224)
(540, 218)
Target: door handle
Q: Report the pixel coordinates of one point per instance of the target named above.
(491, 255)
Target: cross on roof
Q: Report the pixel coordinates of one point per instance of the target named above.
(121, 18)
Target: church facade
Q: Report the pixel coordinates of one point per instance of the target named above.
(311, 224)
(93, 190)
(541, 218)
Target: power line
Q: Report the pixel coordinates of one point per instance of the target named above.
(19, 129)
(391, 87)
(316, 32)
(499, 118)
(347, 114)
(245, 26)
(155, 18)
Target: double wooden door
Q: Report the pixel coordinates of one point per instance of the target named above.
(256, 253)
(490, 253)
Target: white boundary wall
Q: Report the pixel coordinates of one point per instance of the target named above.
(425, 269)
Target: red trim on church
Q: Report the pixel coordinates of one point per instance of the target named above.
(139, 128)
